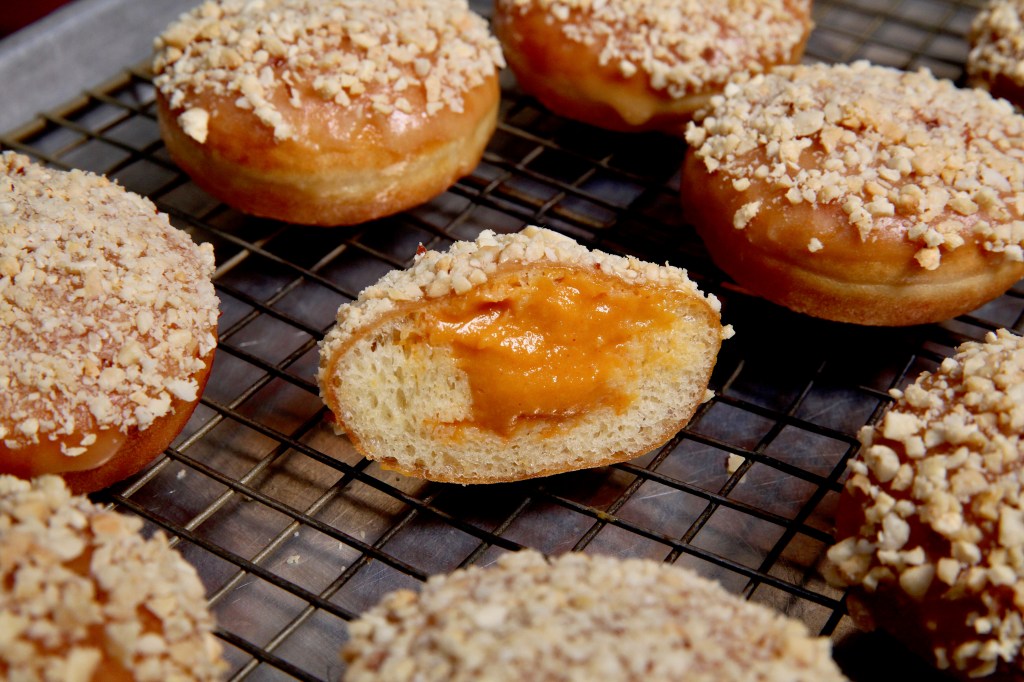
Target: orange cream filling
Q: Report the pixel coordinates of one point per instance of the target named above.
(46, 457)
(547, 344)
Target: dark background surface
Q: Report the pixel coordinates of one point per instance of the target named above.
(17, 14)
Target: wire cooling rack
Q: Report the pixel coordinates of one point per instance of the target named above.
(294, 534)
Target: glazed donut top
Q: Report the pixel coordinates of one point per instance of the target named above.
(684, 45)
(355, 51)
(897, 151)
(106, 310)
(997, 37)
(70, 569)
(960, 431)
(580, 617)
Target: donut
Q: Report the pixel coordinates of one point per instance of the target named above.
(930, 525)
(327, 113)
(85, 598)
(579, 617)
(636, 65)
(108, 324)
(996, 59)
(860, 193)
(517, 356)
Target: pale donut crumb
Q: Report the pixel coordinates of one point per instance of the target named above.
(579, 617)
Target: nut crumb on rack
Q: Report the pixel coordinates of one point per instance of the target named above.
(733, 462)
(106, 310)
(83, 595)
(943, 511)
(368, 51)
(885, 145)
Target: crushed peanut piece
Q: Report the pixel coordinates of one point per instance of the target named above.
(733, 462)
(195, 122)
(746, 213)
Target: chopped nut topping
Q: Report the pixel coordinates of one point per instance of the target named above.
(83, 595)
(896, 150)
(580, 617)
(746, 214)
(940, 484)
(98, 286)
(997, 42)
(680, 46)
(350, 52)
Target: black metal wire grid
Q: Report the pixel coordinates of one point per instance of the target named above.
(294, 534)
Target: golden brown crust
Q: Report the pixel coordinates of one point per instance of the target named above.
(561, 53)
(327, 114)
(115, 456)
(140, 447)
(568, 79)
(874, 283)
(859, 193)
(348, 165)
